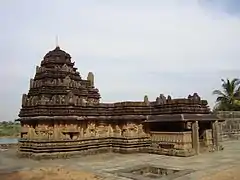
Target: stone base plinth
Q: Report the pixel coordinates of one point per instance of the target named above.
(37, 149)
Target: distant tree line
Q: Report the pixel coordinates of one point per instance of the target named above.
(228, 98)
(9, 128)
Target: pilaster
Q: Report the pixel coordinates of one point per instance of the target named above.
(215, 131)
(195, 136)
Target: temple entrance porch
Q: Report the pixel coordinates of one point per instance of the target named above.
(171, 138)
(183, 137)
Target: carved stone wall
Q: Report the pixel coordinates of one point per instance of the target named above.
(178, 140)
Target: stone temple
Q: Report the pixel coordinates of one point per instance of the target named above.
(62, 116)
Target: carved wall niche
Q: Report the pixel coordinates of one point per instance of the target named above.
(66, 81)
(83, 102)
(78, 84)
(31, 133)
(117, 131)
(90, 131)
(77, 99)
(141, 130)
(130, 130)
(188, 125)
(44, 100)
(65, 68)
(70, 98)
(42, 69)
(80, 129)
(29, 101)
(34, 101)
(57, 67)
(37, 84)
(90, 101)
(50, 132)
(58, 99)
(45, 130)
(68, 60)
(72, 83)
(59, 82)
(57, 132)
(24, 130)
(124, 131)
(110, 130)
(34, 85)
(62, 99)
(102, 130)
(96, 101)
(54, 99)
(54, 82)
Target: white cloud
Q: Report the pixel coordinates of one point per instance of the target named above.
(134, 47)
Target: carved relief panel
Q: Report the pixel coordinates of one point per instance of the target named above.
(102, 130)
(130, 130)
(90, 131)
(117, 131)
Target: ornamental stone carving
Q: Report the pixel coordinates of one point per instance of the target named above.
(117, 131)
(141, 130)
(91, 130)
(90, 78)
(66, 81)
(31, 83)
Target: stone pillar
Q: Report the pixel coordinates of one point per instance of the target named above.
(215, 131)
(221, 132)
(195, 136)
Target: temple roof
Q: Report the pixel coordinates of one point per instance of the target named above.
(182, 117)
(57, 52)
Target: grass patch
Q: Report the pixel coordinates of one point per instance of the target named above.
(9, 129)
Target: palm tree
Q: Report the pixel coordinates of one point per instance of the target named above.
(230, 94)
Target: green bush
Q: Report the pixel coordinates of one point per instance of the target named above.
(9, 129)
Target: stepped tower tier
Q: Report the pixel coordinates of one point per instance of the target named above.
(57, 84)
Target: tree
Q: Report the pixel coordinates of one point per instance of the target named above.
(228, 98)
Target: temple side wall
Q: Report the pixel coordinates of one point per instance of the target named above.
(65, 138)
(58, 138)
(230, 128)
(172, 143)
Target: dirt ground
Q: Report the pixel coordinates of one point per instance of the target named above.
(57, 173)
(228, 174)
(221, 165)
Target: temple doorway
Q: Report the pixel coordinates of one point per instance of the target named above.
(205, 135)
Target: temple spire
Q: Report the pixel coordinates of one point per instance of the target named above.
(57, 45)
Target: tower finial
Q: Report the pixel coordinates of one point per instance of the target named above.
(57, 41)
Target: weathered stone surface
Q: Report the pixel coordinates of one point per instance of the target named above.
(61, 113)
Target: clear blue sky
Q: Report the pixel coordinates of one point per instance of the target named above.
(134, 47)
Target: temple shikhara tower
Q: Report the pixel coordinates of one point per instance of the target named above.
(61, 116)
